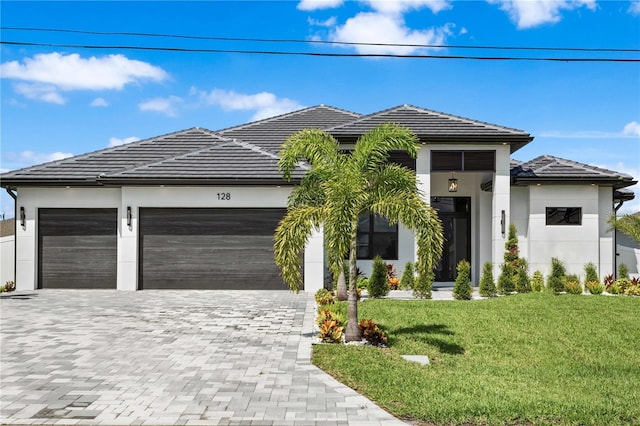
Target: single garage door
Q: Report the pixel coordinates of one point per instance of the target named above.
(208, 249)
(77, 248)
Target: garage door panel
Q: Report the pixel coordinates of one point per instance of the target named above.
(208, 248)
(77, 248)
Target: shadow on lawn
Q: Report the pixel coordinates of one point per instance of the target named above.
(426, 334)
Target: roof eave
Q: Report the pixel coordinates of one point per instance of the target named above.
(616, 183)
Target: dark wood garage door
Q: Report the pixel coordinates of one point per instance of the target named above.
(208, 249)
(77, 248)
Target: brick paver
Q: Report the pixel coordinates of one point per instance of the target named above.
(103, 357)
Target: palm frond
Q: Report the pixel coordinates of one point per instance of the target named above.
(419, 217)
(373, 148)
(290, 239)
(318, 148)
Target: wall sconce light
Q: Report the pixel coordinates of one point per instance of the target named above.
(502, 223)
(453, 183)
(129, 216)
(23, 219)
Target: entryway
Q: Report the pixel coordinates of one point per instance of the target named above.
(455, 214)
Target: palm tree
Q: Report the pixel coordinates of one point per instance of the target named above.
(337, 188)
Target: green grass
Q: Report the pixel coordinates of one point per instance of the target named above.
(524, 359)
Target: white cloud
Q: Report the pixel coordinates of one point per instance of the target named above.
(99, 102)
(318, 4)
(31, 157)
(634, 8)
(369, 27)
(264, 104)
(330, 22)
(632, 129)
(166, 106)
(532, 13)
(40, 92)
(44, 76)
(403, 6)
(117, 141)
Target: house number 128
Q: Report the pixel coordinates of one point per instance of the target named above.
(224, 196)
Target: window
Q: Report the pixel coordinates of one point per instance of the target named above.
(564, 216)
(376, 238)
(463, 161)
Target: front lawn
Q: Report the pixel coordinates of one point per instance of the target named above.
(522, 359)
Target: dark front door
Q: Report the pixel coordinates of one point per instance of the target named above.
(455, 214)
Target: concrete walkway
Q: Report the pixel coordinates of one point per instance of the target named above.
(168, 358)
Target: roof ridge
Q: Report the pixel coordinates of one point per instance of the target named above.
(280, 116)
(469, 120)
(207, 131)
(432, 112)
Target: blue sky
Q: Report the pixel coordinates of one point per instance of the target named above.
(58, 101)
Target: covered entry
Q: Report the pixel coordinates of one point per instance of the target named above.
(77, 248)
(203, 248)
(455, 214)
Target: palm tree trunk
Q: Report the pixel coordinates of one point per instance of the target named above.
(342, 286)
(353, 331)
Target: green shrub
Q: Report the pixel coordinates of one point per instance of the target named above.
(590, 273)
(622, 285)
(462, 289)
(487, 283)
(505, 280)
(623, 271)
(556, 280)
(362, 283)
(537, 281)
(573, 287)
(324, 297)
(594, 287)
(422, 286)
(330, 332)
(633, 289)
(378, 282)
(521, 280)
(372, 333)
(331, 315)
(7, 287)
(408, 276)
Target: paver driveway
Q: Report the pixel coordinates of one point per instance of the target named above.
(168, 357)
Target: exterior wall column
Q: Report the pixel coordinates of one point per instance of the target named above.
(25, 239)
(314, 262)
(127, 243)
(423, 176)
(501, 202)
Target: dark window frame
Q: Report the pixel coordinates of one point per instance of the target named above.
(567, 219)
(453, 164)
(371, 234)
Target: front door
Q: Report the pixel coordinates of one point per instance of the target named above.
(455, 214)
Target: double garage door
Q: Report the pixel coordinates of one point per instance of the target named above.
(178, 248)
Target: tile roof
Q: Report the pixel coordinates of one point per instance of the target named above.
(226, 161)
(248, 153)
(550, 168)
(271, 133)
(432, 126)
(194, 153)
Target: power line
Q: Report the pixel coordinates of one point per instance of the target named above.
(316, 54)
(340, 43)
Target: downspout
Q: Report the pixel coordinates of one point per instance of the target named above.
(615, 239)
(15, 230)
